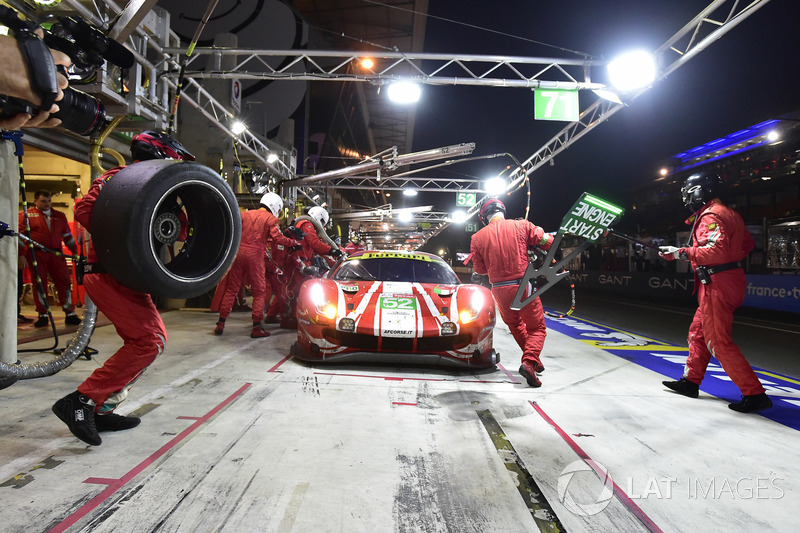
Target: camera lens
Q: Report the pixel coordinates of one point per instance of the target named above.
(82, 113)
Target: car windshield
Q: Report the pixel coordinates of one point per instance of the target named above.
(396, 269)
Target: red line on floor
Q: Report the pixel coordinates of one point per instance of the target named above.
(387, 378)
(115, 484)
(618, 492)
(280, 363)
(398, 378)
(404, 403)
(512, 378)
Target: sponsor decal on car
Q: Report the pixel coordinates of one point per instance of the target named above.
(394, 255)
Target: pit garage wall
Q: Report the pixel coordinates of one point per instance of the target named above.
(764, 291)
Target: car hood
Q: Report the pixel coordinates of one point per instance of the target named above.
(398, 309)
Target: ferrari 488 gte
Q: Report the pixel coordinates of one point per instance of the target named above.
(395, 307)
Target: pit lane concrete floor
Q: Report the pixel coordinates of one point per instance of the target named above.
(236, 436)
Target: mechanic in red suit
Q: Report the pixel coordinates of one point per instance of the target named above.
(500, 250)
(354, 246)
(258, 227)
(89, 409)
(276, 279)
(49, 227)
(718, 243)
(309, 245)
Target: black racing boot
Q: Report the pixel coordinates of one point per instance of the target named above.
(77, 412)
(41, 322)
(115, 422)
(749, 404)
(683, 386)
(72, 319)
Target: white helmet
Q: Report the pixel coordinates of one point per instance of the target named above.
(273, 202)
(319, 214)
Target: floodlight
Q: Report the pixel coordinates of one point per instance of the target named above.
(238, 127)
(607, 94)
(632, 70)
(495, 186)
(458, 216)
(404, 216)
(409, 192)
(404, 92)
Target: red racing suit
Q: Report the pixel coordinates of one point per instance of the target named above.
(500, 249)
(719, 237)
(133, 314)
(295, 262)
(50, 233)
(276, 278)
(258, 227)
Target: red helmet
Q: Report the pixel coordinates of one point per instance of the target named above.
(152, 144)
(490, 207)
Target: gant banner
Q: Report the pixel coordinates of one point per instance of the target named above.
(764, 291)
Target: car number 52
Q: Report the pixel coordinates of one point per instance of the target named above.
(392, 302)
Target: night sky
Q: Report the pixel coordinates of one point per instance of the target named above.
(749, 75)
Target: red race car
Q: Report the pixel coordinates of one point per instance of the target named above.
(398, 307)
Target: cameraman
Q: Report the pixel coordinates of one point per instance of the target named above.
(15, 81)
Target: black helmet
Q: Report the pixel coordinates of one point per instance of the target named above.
(152, 144)
(699, 189)
(490, 207)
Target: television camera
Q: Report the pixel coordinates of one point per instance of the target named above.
(85, 45)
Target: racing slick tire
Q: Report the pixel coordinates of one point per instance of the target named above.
(166, 227)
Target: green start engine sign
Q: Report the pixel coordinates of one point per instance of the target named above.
(590, 217)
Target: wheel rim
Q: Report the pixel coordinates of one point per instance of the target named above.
(198, 254)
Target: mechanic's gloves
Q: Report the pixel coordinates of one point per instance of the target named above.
(296, 232)
(336, 252)
(671, 253)
(479, 279)
(295, 248)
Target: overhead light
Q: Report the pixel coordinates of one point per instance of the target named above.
(238, 127)
(272, 157)
(458, 216)
(607, 94)
(773, 136)
(367, 63)
(404, 216)
(409, 192)
(495, 186)
(404, 92)
(632, 70)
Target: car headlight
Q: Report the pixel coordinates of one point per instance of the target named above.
(323, 306)
(473, 308)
